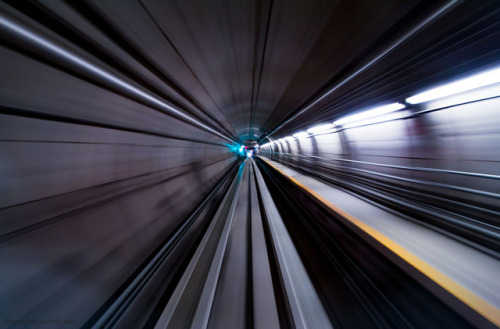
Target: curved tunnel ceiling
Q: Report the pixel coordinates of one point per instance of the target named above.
(247, 68)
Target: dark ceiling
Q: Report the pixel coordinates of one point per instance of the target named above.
(249, 67)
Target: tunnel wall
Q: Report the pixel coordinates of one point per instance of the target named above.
(92, 178)
(444, 161)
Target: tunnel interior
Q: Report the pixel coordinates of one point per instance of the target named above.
(250, 164)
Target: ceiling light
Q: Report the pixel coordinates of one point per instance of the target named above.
(301, 134)
(374, 112)
(382, 118)
(475, 81)
(319, 128)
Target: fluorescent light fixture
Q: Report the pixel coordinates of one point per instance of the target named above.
(319, 128)
(289, 138)
(475, 81)
(301, 134)
(281, 141)
(374, 112)
(382, 118)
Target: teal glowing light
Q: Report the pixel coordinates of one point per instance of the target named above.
(238, 149)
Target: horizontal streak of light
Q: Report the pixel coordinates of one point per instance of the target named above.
(56, 50)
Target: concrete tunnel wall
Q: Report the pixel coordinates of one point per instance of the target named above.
(92, 182)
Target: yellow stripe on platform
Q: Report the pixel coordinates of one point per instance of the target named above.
(481, 306)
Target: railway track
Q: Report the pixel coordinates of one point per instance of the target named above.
(260, 253)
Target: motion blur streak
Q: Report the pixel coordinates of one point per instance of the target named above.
(66, 55)
(226, 164)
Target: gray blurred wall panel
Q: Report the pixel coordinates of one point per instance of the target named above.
(91, 183)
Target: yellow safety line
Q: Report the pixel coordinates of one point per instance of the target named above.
(478, 304)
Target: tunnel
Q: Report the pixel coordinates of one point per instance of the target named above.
(250, 164)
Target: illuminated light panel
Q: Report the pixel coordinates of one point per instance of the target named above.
(365, 115)
(387, 117)
(289, 138)
(319, 128)
(465, 97)
(281, 140)
(476, 81)
(301, 134)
